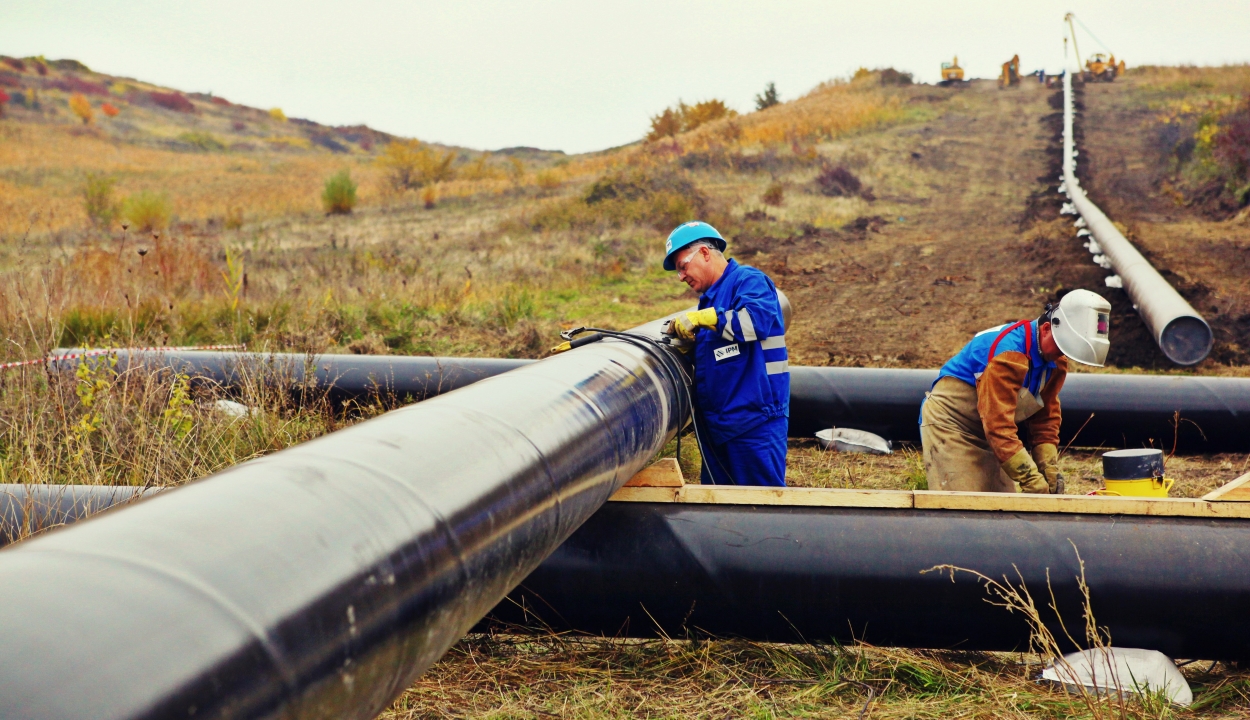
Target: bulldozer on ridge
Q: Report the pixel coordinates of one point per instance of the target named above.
(952, 74)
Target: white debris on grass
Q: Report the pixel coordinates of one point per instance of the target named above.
(853, 441)
(232, 409)
(1067, 209)
(1114, 281)
(1102, 262)
(1122, 670)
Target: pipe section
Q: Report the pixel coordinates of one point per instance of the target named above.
(319, 581)
(1114, 410)
(801, 574)
(1106, 410)
(1181, 333)
(340, 377)
(26, 510)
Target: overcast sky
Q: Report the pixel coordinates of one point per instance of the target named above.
(577, 75)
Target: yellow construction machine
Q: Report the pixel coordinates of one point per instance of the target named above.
(952, 74)
(1099, 67)
(1011, 73)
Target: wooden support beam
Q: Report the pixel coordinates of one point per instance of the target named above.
(661, 473)
(1235, 491)
(937, 500)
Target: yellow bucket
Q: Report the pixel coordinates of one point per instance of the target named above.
(1142, 487)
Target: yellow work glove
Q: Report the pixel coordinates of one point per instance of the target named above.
(1020, 468)
(1046, 456)
(686, 325)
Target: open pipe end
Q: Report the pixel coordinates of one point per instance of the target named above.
(1186, 340)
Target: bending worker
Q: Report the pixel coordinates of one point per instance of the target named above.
(741, 370)
(1006, 376)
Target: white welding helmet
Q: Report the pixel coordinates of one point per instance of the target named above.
(1080, 326)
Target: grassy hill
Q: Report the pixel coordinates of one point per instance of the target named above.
(899, 218)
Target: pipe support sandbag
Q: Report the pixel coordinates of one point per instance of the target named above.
(1105, 409)
(321, 580)
(1181, 333)
(803, 574)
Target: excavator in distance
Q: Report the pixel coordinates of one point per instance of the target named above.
(1011, 73)
(952, 74)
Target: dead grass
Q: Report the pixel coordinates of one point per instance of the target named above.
(534, 676)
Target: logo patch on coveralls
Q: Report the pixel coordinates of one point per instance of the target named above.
(726, 352)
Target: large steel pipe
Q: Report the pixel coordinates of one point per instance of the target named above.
(1181, 333)
(340, 377)
(794, 574)
(1106, 410)
(26, 510)
(321, 580)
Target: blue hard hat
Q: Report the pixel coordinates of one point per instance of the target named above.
(687, 233)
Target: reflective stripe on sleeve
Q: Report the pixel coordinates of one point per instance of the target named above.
(776, 342)
(728, 332)
(748, 328)
(776, 368)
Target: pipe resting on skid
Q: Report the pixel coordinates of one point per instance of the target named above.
(1181, 333)
(319, 581)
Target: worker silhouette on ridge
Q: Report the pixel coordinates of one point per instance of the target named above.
(1005, 376)
(741, 369)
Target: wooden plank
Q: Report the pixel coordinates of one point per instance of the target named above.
(661, 473)
(1235, 491)
(733, 495)
(941, 500)
(1079, 504)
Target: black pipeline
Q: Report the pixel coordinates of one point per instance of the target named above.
(321, 580)
(29, 509)
(805, 574)
(1196, 414)
(1107, 410)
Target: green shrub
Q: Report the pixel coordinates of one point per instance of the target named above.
(339, 195)
(98, 199)
(147, 210)
(768, 98)
(659, 199)
(202, 141)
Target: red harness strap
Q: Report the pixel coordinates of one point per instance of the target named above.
(1028, 340)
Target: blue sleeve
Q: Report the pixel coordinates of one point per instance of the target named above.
(755, 315)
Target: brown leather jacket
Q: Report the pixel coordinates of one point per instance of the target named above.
(997, 391)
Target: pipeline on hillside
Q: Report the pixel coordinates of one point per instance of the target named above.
(1181, 333)
(812, 574)
(321, 580)
(1185, 413)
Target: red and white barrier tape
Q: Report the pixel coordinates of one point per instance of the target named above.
(95, 353)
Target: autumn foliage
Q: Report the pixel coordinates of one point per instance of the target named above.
(81, 106)
(109, 109)
(684, 118)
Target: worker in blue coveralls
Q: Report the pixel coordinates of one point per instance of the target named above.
(741, 370)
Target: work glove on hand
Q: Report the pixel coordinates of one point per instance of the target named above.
(1021, 468)
(1046, 456)
(686, 325)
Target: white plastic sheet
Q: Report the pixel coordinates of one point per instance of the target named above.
(1123, 670)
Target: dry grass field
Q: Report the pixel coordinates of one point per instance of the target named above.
(899, 219)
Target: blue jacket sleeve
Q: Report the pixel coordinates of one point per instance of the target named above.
(754, 316)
